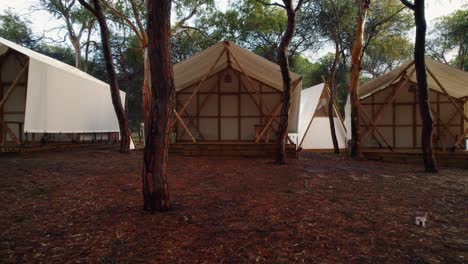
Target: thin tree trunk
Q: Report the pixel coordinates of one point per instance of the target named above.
(280, 156)
(423, 92)
(331, 102)
(155, 188)
(146, 87)
(90, 29)
(114, 86)
(356, 57)
(77, 47)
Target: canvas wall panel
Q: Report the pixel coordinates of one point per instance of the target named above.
(229, 129)
(209, 128)
(403, 115)
(319, 135)
(229, 105)
(248, 128)
(63, 99)
(211, 106)
(248, 106)
(404, 137)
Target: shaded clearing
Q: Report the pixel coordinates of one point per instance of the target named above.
(85, 206)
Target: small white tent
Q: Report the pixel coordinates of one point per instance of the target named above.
(314, 125)
(41, 95)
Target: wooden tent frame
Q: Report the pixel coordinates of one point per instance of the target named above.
(248, 86)
(371, 125)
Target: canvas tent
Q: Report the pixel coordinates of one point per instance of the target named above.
(390, 115)
(229, 94)
(41, 96)
(314, 124)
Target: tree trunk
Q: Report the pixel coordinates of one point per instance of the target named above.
(423, 92)
(114, 86)
(356, 57)
(331, 102)
(146, 87)
(155, 189)
(77, 47)
(280, 156)
(90, 29)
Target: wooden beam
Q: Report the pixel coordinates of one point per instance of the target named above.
(446, 93)
(10, 133)
(376, 129)
(14, 84)
(182, 110)
(383, 109)
(193, 123)
(275, 113)
(184, 126)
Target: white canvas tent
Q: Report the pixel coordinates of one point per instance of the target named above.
(226, 93)
(314, 125)
(390, 115)
(45, 96)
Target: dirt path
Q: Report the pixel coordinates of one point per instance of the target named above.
(85, 206)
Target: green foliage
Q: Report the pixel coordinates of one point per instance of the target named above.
(256, 27)
(16, 29)
(450, 35)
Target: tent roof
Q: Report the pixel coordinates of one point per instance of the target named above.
(48, 60)
(454, 80)
(193, 69)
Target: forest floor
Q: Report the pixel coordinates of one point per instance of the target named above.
(84, 206)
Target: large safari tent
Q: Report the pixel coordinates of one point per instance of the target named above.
(229, 95)
(314, 123)
(45, 101)
(390, 117)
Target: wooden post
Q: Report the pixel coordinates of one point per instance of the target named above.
(184, 126)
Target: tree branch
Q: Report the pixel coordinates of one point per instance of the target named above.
(272, 4)
(88, 7)
(408, 4)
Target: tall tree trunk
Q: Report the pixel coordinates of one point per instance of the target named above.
(146, 87)
(280, 156)
(114, 85)
(88, 40)
(77, 48)
(423, 92)
(331, 102)
(356, 62)
(155, 188)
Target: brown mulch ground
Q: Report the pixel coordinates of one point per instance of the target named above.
(85, 206)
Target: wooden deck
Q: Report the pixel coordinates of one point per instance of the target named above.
(456, 159)
(33, 147)
(230, 149)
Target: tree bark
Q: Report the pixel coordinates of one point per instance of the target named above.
(146, 87)
(423, 92)
(154, 172)
(280, 153)
(114, 85)
(77, 47)
(331, 102)
(356, 62)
